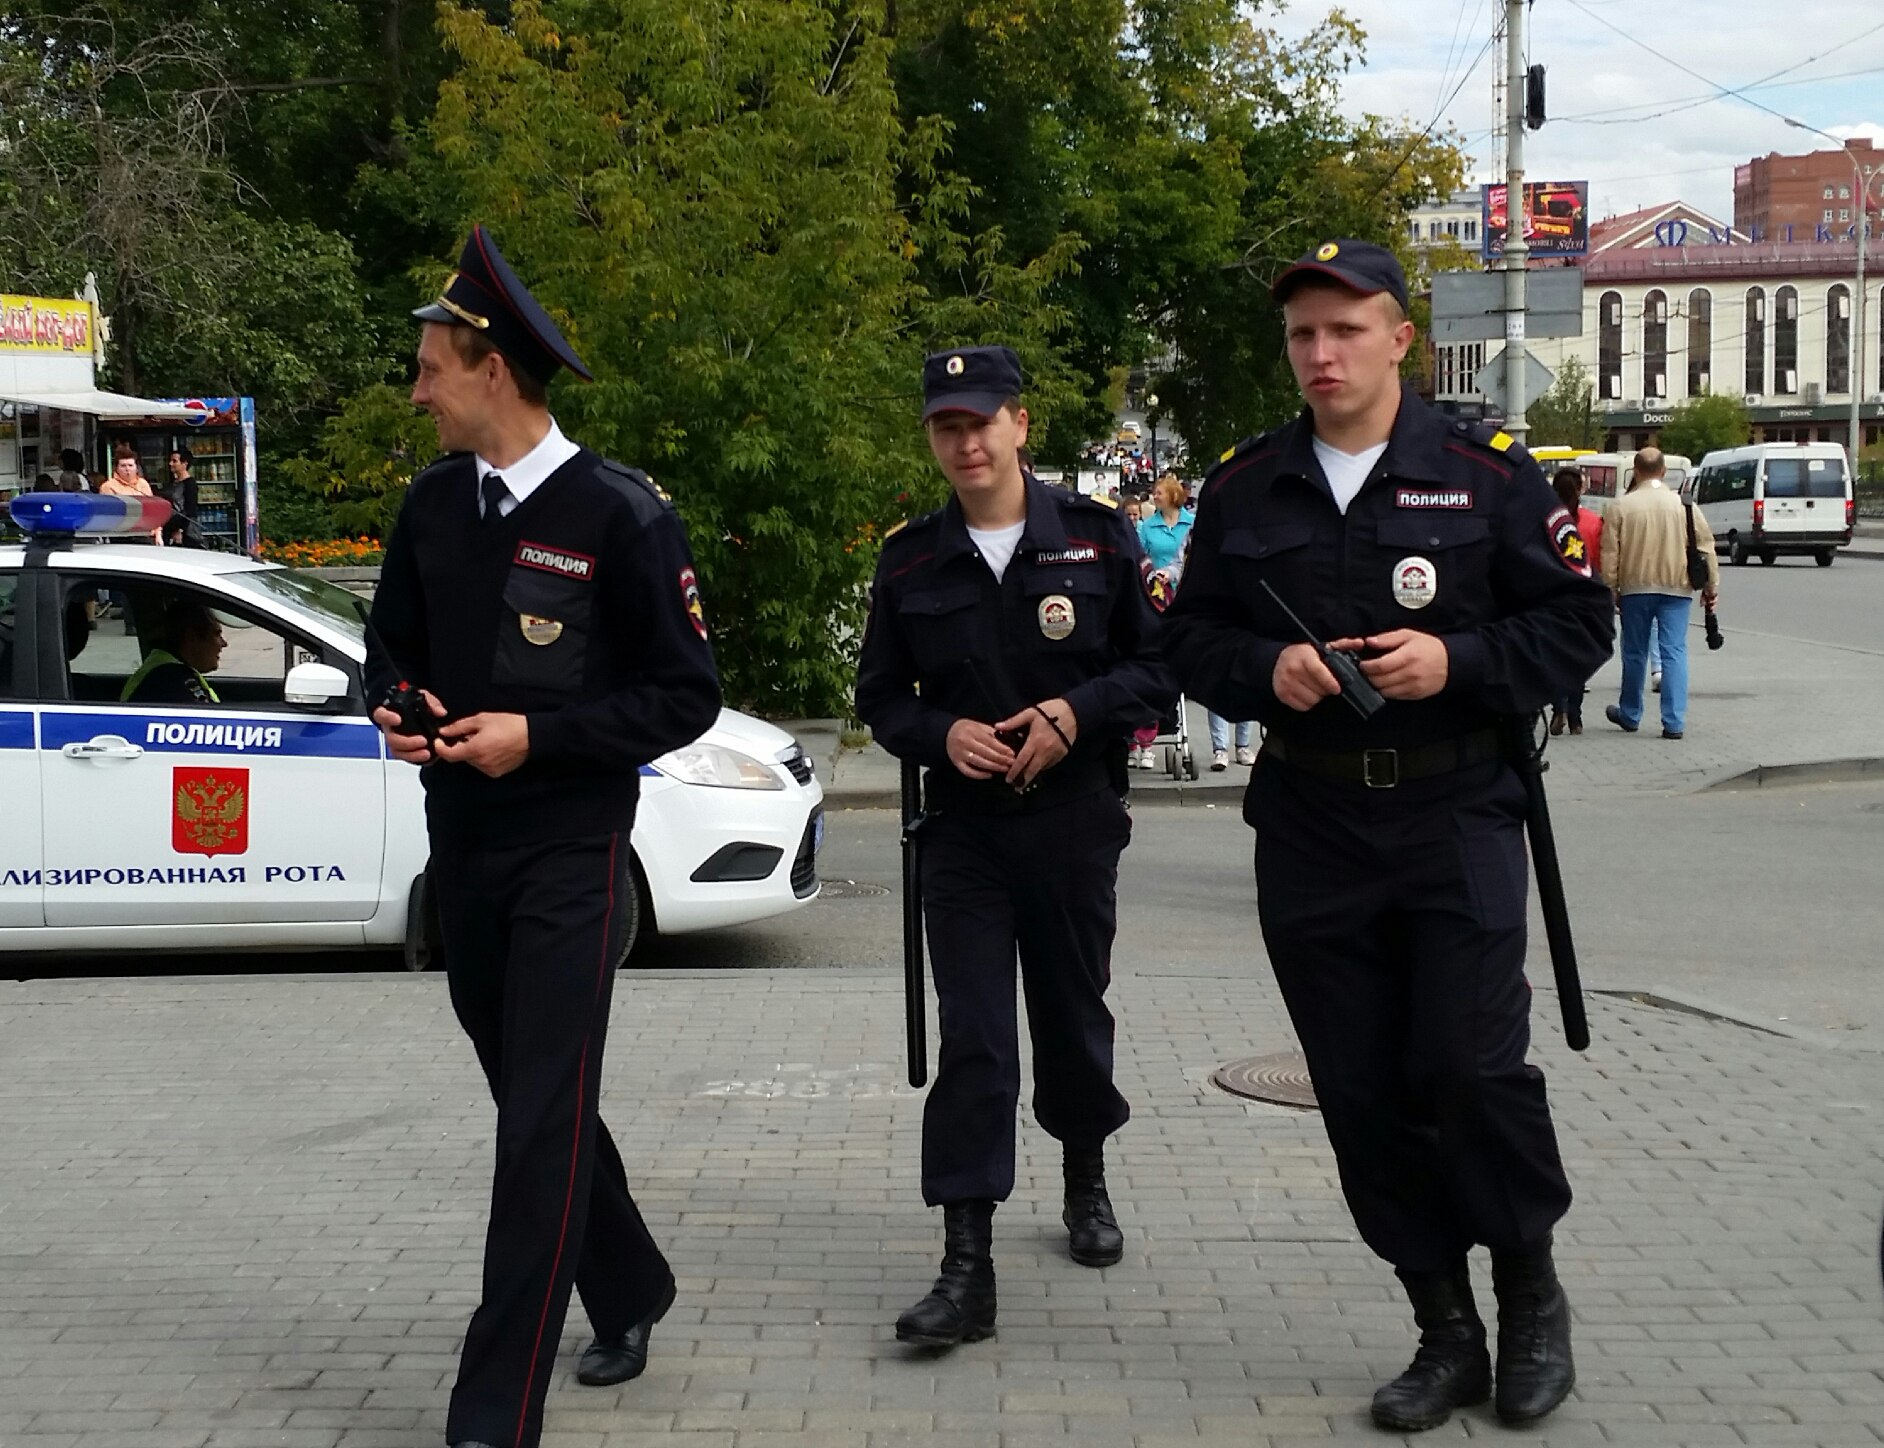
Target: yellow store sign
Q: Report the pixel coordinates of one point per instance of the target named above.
(45, 325)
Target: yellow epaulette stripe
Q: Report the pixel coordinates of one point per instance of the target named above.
(895, 530)
(1102, 498)
(1501, 441)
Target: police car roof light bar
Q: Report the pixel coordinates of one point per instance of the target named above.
(87, 515)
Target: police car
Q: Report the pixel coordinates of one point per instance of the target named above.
(257, 807)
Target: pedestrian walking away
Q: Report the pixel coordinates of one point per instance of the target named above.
(544, 599)
(1567, 483)
(1657, 550)
(1011, 647)
(1390, 861)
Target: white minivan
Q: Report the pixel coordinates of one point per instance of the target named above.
(1606, 476)
(1775, 498)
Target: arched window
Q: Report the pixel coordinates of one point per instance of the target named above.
(1700, 341)
(1838, 339)
(1655, 345)
(1754, 331)
(1609, 346)
(1786, 341)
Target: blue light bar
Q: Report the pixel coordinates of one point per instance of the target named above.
(88, 515)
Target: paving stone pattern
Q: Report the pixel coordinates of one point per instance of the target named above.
(246, 1213)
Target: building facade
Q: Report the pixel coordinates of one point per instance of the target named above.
(1774, 192)
(1456, 218)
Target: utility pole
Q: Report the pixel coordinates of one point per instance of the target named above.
(1517, 250)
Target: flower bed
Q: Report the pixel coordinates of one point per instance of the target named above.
(332, 553)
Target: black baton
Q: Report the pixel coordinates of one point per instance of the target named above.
(1528, 756)
(915, 997)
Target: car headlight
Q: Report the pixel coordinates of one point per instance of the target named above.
(722, 768)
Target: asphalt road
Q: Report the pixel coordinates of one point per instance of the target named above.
(1795, 598)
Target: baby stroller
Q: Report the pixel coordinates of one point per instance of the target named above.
(1172, 746)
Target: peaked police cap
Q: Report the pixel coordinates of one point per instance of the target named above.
(484, 294)
(969, 379)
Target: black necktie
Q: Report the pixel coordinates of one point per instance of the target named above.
(494, 493)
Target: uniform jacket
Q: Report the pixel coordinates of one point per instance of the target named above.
(579, 610)
(1645, 545)
(1069, 619)
(1455, 533)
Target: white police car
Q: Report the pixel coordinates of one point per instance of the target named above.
(269, 816)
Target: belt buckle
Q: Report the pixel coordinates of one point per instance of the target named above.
(1380, 768)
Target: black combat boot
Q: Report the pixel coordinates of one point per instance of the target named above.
(960, 1307)
(1452, 1368)
(1092, 1232)
(1535, 1373)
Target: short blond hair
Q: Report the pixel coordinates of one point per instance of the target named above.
(1168, 486)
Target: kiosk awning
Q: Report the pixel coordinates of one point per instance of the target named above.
(103, 404)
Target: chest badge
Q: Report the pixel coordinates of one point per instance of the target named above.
(539, 631)
(1415, 582)
(1056, 616)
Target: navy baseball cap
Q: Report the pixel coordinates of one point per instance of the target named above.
(969, 379)
(484, 294)
(1360, 266)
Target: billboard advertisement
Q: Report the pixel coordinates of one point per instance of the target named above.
(1556, 218)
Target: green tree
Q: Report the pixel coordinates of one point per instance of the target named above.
(1565, 416)
(704, 193)
(366, 455)
(1701, 424)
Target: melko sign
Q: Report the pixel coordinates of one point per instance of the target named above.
(43, 325)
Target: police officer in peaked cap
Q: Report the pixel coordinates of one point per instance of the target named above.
(1390, 860)
(544, 598)
(1011, 646)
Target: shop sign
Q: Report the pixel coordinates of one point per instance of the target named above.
(41, 325)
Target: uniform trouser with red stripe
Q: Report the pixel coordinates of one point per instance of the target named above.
(531, 935)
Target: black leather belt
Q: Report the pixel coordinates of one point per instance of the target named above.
(1388, 768)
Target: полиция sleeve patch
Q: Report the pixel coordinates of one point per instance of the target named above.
(1561, 525)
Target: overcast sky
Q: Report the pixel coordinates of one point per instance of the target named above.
(1414, 62)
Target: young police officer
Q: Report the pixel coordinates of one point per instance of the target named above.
(545, 599)
(1390, 863)
(1011, 647)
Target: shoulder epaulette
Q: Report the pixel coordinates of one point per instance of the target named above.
(636, 476)
(1489, 435)
(437, 465)
(1242, 445)
(1101, 499)
(894, 529)
(909, 525)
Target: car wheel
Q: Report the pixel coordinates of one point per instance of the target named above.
(1768, 557)
(1824, 557)
(1739, 554)
(422, 951)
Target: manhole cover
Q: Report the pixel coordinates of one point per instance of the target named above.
(851, 890)
(1282, 1079)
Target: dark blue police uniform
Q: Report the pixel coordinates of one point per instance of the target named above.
(1390, 862)
(577, 609)
(1007, 874)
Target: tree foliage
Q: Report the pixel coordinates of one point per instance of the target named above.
(1566, 416)
(1702, 424)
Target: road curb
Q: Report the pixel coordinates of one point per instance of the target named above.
(1229, 793)
(1823, 771)
(1687, 1003)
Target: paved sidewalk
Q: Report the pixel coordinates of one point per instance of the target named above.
(243, 1213)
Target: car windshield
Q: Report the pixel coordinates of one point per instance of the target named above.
(1805, 478)
(333, 605)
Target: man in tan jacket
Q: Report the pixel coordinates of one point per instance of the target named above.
(1645, 564)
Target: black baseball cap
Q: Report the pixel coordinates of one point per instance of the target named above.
(484, 294)
(969, 379)
(1360, 266)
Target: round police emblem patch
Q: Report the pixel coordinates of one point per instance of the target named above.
(1415, 582)
(1328, 252)
(539, 630)
(1056, 616)
(955, 365)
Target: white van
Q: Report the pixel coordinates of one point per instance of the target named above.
(1776, 498)
(1606, 476)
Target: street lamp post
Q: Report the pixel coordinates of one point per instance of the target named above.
(1151, 416)
(1862, 186)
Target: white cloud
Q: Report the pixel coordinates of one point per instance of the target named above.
(1631, 155)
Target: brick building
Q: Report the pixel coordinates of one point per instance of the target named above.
(1773, 192)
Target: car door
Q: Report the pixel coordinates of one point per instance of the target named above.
(21, 890)
(239, 810)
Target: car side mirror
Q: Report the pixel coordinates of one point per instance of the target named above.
(315, 685)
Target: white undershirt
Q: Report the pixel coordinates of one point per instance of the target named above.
(1346, 472)
(997, 545)
(529, 472)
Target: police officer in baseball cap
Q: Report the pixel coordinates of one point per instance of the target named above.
(1010, 648)
(1390, 858)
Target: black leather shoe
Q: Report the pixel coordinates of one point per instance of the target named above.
(960, 1307)
(1614, 716)
(1092, 1232)
(1671, 733)
(1452, 1369)
(608, 1361)
(1535, 1372)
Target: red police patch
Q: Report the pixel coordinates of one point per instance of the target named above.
(1564, 537)
(559, 561)
(690, 598)
(1432, 498)
(209, 811)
